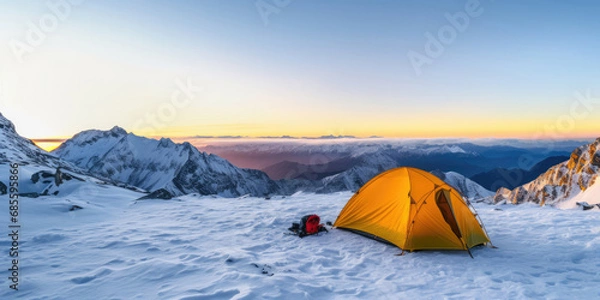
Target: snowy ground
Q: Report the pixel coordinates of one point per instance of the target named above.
(205, 247)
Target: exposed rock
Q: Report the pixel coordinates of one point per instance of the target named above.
(158, 194)
(3, 188)
(561, 182)
(58, 180)
(75, 207)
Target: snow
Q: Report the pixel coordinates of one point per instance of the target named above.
(152, 164)
(561, 182)
(591, 196)
(198, 247)
(467, 187)
(359, 146)
(444, 149)
(85, 155)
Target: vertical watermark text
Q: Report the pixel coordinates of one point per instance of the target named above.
(14, 226)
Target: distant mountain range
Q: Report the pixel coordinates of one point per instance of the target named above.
(355, 168)
(295, 170)
(318, 159)
(167, 169)
(161, 165)
(511, 178)
(369, 165)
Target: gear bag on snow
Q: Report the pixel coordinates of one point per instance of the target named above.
(308, 225)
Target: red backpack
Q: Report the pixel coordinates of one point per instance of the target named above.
(310, 224)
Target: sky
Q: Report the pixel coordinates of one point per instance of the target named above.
(415, 69)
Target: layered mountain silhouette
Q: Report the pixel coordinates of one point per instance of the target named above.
(511, 178)
(295, 170)
(369, 165)
(169, 169)
(299, 159)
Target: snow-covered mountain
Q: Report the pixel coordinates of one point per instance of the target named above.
(467, 157)
(17, 149)
(161, 164)
(561, 182)
(367, 167)
(464, 185)
(375, 163)
(40, 173)
(512, 178)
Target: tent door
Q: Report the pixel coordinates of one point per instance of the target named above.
(443, 204)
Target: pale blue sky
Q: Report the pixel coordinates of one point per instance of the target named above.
(315, 68)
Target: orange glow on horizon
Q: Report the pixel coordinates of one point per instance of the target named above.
(435, 125)
(508, 131)
(48, 146)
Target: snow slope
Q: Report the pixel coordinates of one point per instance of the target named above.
(204, 247)
(591, 196)
(17, 149)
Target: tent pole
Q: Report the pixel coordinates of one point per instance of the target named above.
(476, 214)
(471, 255)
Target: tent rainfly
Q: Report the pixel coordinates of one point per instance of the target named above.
(414, 210)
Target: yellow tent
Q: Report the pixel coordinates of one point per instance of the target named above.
(413, 210)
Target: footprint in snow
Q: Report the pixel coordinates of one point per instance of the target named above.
(48, 238)
(86, 279)
(264, 269)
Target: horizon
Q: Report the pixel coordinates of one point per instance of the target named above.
(49, 144)
(467, 69)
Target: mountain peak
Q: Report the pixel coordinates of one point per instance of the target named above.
(152, 164)
(166, 142)
(118, 131)
(584, 156)
(6, 124)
